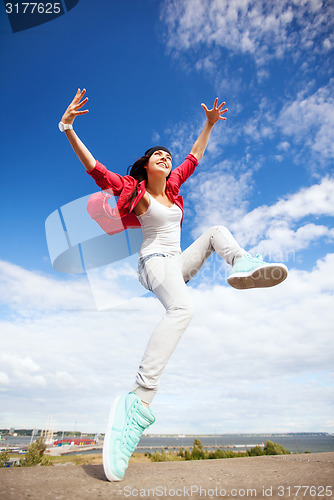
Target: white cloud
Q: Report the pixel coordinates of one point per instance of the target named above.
(155, 137)
(310, 121)
(307, 121)
(65, 380)
(181, 137)
(21, 370)
(285, 227)
(25, 364)
(29, 290)
(272, 229)
(256, 342)
(279, 158)
(284, 146)
(114, 285)
(263, 29)
(315, 200)
(263, 124)
(217, 195)
(283, 242)
(4, 379)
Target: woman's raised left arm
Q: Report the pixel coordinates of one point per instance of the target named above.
(212, 116)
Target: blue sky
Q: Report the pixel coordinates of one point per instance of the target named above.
(250, 361)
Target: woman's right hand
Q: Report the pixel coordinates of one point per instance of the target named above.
(73, 109)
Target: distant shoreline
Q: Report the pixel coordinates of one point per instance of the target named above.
(294, 442)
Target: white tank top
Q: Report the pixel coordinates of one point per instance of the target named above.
(161, 228)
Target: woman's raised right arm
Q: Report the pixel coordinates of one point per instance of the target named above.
(73, 110)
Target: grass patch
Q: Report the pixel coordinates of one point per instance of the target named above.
(81, 459)
(199, 453)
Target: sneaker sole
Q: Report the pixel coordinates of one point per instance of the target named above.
(262, 277)
(106, 453)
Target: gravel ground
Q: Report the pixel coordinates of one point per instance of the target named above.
(304, 476)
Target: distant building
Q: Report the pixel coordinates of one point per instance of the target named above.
(75, 441)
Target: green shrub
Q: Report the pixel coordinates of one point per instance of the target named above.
(198, 443)
(275, 449)
(197, 453)
(255, 452)
(160, 457)
(4, 458)
(34, 455)
(216, 454)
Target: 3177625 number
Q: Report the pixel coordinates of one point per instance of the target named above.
(33, 7)
(302, 491)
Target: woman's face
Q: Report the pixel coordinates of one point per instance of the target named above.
(159, 161)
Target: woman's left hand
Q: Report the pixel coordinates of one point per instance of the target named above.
(215, 114)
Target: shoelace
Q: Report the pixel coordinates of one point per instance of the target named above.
(133, 431)
(257, 257)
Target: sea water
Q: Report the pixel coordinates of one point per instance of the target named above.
(295, 443)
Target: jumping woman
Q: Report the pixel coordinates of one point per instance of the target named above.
(149, 197)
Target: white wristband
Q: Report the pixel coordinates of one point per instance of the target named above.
(64, 126)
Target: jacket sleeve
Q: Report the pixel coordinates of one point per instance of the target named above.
(106, 179)
(99, 210)
(181, 173)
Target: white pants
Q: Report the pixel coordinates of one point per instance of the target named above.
(166, 277)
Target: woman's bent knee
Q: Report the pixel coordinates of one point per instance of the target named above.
(190, 311)
(218, 228)
(187, 311)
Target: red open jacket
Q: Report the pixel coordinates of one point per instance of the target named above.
(114, 220)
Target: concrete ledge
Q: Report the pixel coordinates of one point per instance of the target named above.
(274, 477)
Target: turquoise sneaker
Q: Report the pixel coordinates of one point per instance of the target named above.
(127, 421)
(252, 272)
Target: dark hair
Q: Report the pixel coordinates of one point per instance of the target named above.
(138, 172)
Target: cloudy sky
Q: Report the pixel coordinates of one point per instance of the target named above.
(250, 361)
